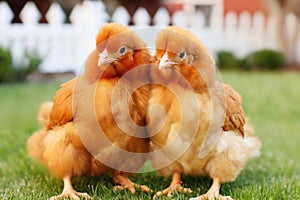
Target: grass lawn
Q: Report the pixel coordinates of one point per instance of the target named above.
(271, 100)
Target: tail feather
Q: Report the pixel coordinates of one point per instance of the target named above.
(44, 113)
(34, 145)
(35, 141)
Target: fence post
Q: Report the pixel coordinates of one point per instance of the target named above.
(6, 15)
(55, 15)
(179, 18)
(161, 17)
(243, 40)
(141, 17)
(230, 31)
(57, 44)
(293, 33)
(30, 15)
(121, 16)
(216, 27)
(271, 40)
(24, 35)
(258, 30)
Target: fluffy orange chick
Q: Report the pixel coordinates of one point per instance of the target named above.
(203, 131)
(85, 134)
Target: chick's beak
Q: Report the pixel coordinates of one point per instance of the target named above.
(105, 58)
(165, 62)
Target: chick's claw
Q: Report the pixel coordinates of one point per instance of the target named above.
(71, 195)
(206, 197)
(123, 187)
(143, 188)
(131, 188)
(126, 183)
(171, 189)
(69, 192)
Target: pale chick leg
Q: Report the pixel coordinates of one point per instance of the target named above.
(126, 184)
(174, 186)
(213, 192)
(69, 192)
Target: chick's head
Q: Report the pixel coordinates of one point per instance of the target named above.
(180, 52)
(118, 50)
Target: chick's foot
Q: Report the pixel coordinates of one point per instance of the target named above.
(213, 193)
(174, 186)
(69, 192)
(171, 189)
(207, 197)
(72, 195)
(126, 184)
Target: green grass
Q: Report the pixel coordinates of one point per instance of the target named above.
(271, 100)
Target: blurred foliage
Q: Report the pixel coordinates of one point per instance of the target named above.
(10, 73)
(227, 60)
(265, 59)
(6, 68)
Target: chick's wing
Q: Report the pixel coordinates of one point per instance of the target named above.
(61, 112)
(235, 117)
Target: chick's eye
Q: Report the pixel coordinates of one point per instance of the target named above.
(182, 54)
(122, 50)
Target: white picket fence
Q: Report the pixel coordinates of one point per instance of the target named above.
(64, 47)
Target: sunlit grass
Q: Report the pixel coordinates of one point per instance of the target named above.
(271, 101)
